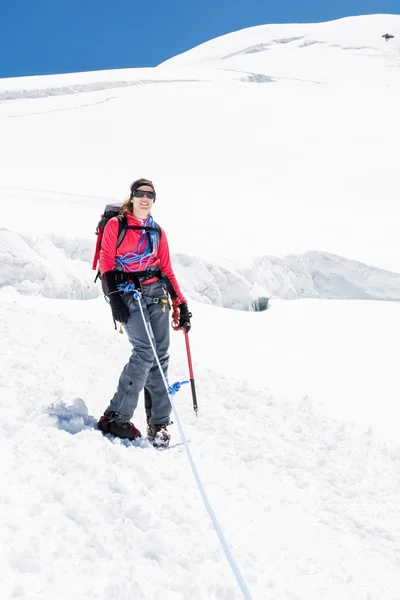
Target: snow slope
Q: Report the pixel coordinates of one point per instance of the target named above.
(305, 489)
(285, 189)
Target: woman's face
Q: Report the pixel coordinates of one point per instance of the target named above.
(143, 199)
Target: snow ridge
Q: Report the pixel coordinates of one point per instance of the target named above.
(57, 266)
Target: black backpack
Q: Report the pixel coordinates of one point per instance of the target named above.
(110, 211)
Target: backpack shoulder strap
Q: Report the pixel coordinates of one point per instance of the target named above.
(122, 229)
(158, 230)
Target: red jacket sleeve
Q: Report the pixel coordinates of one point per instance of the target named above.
(166, 266)
(109, 246)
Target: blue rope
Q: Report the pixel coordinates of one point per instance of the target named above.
(213, 517)
(175, 387)
(133, 261)
(126, 287)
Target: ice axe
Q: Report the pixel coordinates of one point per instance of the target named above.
(192, 385)
(177, 327)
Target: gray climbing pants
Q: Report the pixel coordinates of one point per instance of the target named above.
(142, 369)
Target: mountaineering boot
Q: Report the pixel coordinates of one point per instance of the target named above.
(116, 425)
(158, 434)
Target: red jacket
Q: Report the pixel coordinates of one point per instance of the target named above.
(161, 257)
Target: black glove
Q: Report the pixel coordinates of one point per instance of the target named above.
(184, 316)
(119, 309)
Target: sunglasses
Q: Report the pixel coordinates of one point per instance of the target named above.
(143, 193)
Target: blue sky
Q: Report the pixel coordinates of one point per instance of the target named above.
(59, 36)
